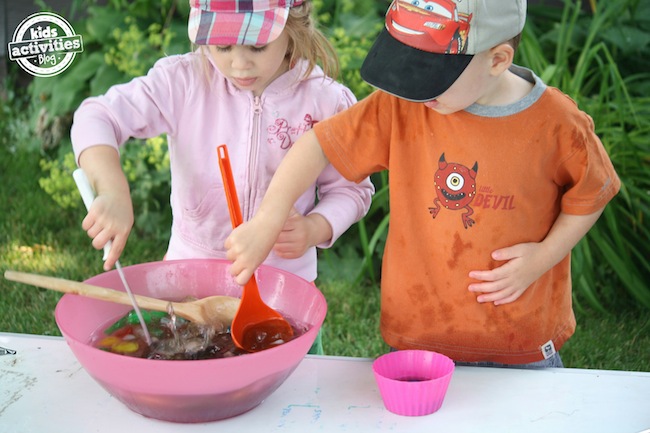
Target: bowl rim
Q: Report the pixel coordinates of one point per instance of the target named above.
(317, 324)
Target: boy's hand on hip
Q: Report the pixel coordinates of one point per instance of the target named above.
(524, 264)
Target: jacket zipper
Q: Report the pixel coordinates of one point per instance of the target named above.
(257, 111)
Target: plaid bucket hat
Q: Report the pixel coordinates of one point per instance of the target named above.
(238, 22)
(426, 45)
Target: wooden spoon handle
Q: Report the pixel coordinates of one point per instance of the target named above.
(83, 289)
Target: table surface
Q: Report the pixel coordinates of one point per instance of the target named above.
(44, 389)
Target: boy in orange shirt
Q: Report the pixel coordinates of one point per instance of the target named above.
(494, 177)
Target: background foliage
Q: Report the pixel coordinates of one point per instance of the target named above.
(600, 59)
(599, 55)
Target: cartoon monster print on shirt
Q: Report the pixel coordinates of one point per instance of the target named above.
(455, 189)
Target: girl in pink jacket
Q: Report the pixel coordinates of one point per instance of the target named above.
(252, 84)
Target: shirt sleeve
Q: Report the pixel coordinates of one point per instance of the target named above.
(340, 201)
(587, 173)
(142, 108)
(357, 140)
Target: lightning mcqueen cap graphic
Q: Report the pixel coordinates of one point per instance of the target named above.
(426, 45)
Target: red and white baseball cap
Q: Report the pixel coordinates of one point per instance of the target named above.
(427, 44)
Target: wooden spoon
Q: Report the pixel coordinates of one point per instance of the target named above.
(256, 326)
(212, 310)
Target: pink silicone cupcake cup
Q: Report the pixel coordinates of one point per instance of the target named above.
(413, 382)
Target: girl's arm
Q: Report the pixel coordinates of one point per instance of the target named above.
(145, 107)
(300, 233)
(341, 203)
(526, 262)
(111, 215)
(250, 243)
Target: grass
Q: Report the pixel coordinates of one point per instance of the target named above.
(37, 236)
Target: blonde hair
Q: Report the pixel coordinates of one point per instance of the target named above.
(306, 42)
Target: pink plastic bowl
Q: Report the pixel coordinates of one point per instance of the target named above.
(191, 391)
(413, 382)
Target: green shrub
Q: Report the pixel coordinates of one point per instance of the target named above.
(600, 58)
(582, 54)
(146, 166)
(121, 40)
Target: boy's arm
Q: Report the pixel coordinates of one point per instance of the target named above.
(250, 243)
(111, 215)
(526, 262)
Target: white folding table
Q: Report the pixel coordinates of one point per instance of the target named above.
(44, 389)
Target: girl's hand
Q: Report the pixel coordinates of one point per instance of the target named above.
(110, 218)
(300, 233)
(525, 263)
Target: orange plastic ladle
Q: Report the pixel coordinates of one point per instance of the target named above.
(256, 326)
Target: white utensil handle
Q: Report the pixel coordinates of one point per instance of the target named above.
(88, 196)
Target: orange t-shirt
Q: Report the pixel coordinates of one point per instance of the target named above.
(462, 186)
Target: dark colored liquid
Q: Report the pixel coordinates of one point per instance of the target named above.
(412, 379)
(174, 338)
(264, 335)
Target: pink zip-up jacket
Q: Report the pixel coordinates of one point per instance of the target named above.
(199, 109)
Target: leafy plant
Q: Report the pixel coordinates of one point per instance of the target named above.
(16, 132)
(60, 185)
(121, 40)
(598, 56)
(31, 240)
(146, 166)
(593, 57)
(351, 27)
(580, 53)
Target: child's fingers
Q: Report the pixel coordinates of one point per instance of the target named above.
(488, 287)
(87, 222)
(483, 275)
(500, 296)
(241, 276)
(508, 299)
(508, 253)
